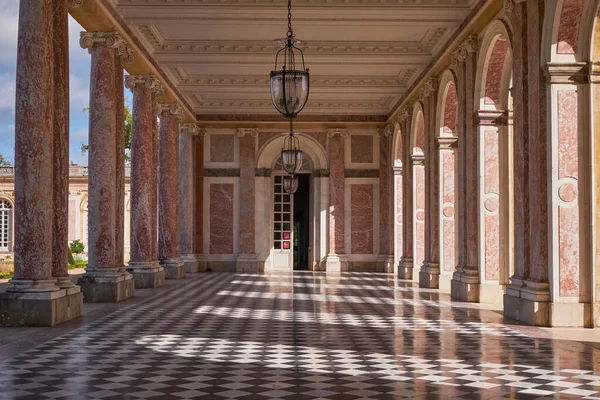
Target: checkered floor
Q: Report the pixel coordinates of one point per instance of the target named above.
(306, 336)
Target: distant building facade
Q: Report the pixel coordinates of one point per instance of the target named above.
(78, 200)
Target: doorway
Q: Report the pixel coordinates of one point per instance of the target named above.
(302, 223)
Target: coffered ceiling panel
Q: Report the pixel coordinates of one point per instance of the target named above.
(362, 54)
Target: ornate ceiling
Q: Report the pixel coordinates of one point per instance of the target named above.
(362, 54)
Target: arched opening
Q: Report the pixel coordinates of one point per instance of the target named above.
(292, 229)
(417, 154)
(446, 138)
(493, 106)
(397, 204)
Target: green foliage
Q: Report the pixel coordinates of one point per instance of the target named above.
(78, 264)
(6, 274)
(127, 131)
(3, 161)
(71, 259)
(76, 247)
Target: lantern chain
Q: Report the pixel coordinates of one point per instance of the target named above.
(290, 33)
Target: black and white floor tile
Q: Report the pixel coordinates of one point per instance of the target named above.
(302, 336)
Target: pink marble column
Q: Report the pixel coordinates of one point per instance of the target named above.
(153, 176)
(143, 263)
(405, 269)
(247, 261)
(60, 196)
(122, 55)
(199, 199)
(465, 281)
(34, 115)
(168, 192)
(103, 281)
(386, 216)
(429, 275)
(336, 260)
(186, 196)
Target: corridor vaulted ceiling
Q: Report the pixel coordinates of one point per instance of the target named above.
(362, 54)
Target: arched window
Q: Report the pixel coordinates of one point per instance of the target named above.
(6, 216)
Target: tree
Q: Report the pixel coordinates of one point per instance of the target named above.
(127, 130)
(3, 161)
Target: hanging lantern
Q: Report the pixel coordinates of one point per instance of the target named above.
(290, 183)
(291, 156)
(289, 85)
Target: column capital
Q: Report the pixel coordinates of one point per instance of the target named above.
(492, 117)
(469, 45)
(150, 81)
(509, 5)
(428, 87)
(247, 131)
(170, 108)
(331, 132)
(75, 3)
(388, 130)
(404, 113)
(201, 132)
(397, 169)
(446, 143)
(88, 40)
(569, 73)
(190, 128)
(418, 159)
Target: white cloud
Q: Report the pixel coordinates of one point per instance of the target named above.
(79, 91)
(7, 93)
(9, 24)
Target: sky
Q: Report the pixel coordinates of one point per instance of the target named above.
(79, 64)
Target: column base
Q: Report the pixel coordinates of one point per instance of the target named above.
(202, 262)
(173, 268)
(405, 268)
(190, 263)
(465, 285)
(429, 275)
(106, 285)
(336, 263)
(40, 308)
(147, 274)
(528, 302)
(385, 264)
(248, 263)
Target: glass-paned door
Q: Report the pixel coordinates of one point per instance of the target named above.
(283, 235)
(5, 226)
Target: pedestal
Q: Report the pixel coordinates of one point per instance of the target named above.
(147, 274)
(190, 263)
(24, 307)
(465, 285)
(385, 264)
(106, 285)
(336, 263)
(173, 268)
(248, 263)
(202, 262)
(405, 268)
(429, 275)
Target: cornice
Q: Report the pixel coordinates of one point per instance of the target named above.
(365, 3)
(329, 118)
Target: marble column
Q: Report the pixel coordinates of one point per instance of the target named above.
(60, 196)
(247, 260)
(103, 281)
(336, 259)
(186, 196)
(199, 199)
(143, 264)
(406, 265)
(123, 55)
(168, 192)
(385, 259)
(153, 176)
(465, 284)
(446, 164)
(429, 275)
(32, 297)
